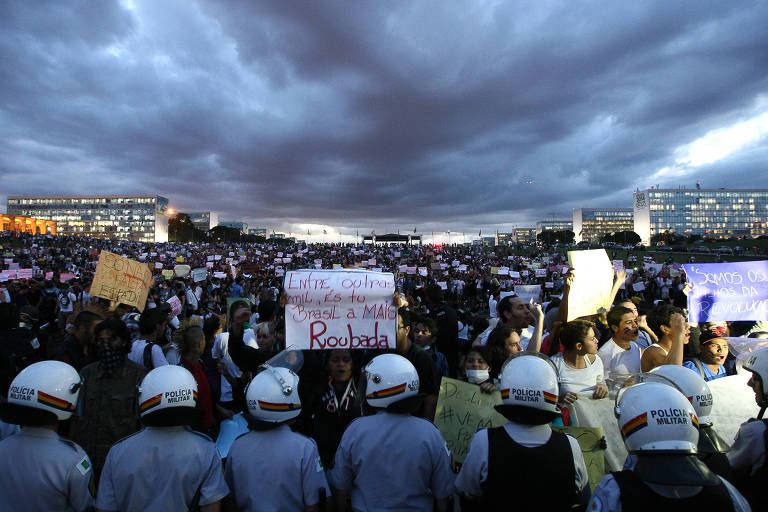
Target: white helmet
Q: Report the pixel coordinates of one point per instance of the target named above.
(530, 380)
(656, 417)
(695, 389)
(757, 362)
(390, 378)
(51, 386)
(273, 395)
(167, 387)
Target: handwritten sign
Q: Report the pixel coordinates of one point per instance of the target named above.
(121, 280)
(594, 456)
(528, 292)
(462, 410)
(175, 304)
(340, 309)
(168, 274)
(182, 270)
(541, 272)
(199, 274)
(591, 288)
(727, 291)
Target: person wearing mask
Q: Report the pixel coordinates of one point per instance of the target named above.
(671, 327)
(296, 480)
(526, 451)
(711, 449)
(146, 350)
(579, 367)
(41, 470)
(621, 355)
(167, 465)
(747, 455)
(660, 430)
(108, 408)
(392, 460)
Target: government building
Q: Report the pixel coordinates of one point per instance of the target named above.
(140, 218)
(714, 213)
(590, 224)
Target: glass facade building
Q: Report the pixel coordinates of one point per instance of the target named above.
(590, 224)
(140, 218)
(236, 224)
(554, 225)
(720, 213)
(525, 235)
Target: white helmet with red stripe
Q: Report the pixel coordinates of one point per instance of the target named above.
(51, 386)
(273, 395)
(390, 378)
(530, 380)
(690, 383)
(167, 387)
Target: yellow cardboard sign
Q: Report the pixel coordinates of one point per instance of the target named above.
(594, 455)
(179, 259)
(591, 288)
(462, 410)
(121, 280)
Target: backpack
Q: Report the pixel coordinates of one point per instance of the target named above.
(19, 348)
(148, 356)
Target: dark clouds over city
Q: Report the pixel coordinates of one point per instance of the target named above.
(382, 115)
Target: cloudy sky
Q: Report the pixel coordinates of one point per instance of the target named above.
(361, 115)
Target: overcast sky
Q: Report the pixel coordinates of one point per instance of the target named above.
(360, 115)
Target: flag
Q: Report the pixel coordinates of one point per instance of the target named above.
(480, 233)
(308, 233)
(414, 229)
(325, 232)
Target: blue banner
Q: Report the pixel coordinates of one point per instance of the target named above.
(727, 291)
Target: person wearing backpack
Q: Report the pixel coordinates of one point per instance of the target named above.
(18, 346)
(145, 350)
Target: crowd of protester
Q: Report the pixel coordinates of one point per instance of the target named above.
(459, 317)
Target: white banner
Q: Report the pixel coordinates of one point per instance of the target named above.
(340, 309)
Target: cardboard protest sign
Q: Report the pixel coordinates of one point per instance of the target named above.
(168, 274)
(528, 292)
(495, 270)
(638, 287)
(727, 291)
(591, 288)
(462, 409)
(340, 309)
(541, 272)
(182, 270)
(158, 265)
(63, 278)
(514, 274)
(179, 259)
(594, 456)
(121, 280)
(175, 305)
(617, 265)
(26, 273)
(199, 274)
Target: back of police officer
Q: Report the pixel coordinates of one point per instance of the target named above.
(660, 430)
(392, 460)
(271, 468)
(165, 466)
(40, 470)
(525, 452)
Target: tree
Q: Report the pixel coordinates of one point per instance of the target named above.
(180, 228)
(226, 234)
(550, 237)
(626, 237)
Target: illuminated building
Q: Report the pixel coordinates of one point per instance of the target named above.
(720, 213)
(204, 221)
(590, 224)
(142, 218)
(554, 225)
(27, 225)
(525, 235)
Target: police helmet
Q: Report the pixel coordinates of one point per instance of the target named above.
(392, 379)
(42, 394)
(168, 396)
(272, 396)
(529, 389)
(690, 383)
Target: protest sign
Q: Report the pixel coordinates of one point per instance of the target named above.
(411, 271)
(182, 270)
(442, 284)
(13, 266)
(337, 266)
(168, 274)
(121, 280)
(514, 274)
(209, 258)
(592, 283)
(158, 265)
(638, 287)
(199, 274)
(63, 278)
(495, 270)
(26, 273)
(617, 265)
(541, 272)
(179, 259)
(589, 442)
(506, 294)
(549, 284)
(340, 309)
(528, 292)
(175, 305)
(220, 275)
(503, 271)
(727, 291)
(423, 271)
(48, 276)
(462, 409)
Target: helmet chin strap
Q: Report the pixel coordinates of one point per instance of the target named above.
(762, 411)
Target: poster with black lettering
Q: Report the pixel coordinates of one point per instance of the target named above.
(340, 309)
(727, 291)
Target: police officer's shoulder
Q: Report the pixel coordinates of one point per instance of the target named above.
(119, 441)
(76, 448)
(193, 431)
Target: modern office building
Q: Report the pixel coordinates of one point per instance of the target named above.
(720, 213)
(26, 225)
(204, 221)
(525, 235)
(141, 218)
(258, 232)
(505, 238)
(554, 225)
(590, 224)
(238, 225)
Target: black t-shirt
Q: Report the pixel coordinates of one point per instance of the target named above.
(429, 382)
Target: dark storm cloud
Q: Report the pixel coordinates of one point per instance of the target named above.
(364, 114)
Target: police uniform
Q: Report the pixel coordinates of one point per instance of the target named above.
(161, 468)
(42, 471)
(392, 462)
(747, 458)
(607, 496)
(275, 470)
(537, 445)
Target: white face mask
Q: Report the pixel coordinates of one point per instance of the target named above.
(477, 376)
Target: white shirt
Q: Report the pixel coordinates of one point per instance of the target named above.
(474, 471)
(492, 303)
(137, 354)
(618, 361)
(525, 336)
(578, 380)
